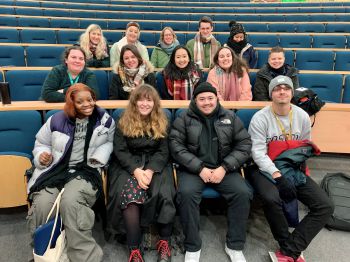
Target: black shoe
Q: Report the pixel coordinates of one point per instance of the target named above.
(136, 256)
(163, 248)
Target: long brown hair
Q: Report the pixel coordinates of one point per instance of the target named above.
(69, 107)
(238, 65)
(155, 125)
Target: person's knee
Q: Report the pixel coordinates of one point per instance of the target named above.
(77, 213)
(327, 207)
(187, 195)
(271, 198)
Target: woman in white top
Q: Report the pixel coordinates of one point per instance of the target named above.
(132, 35)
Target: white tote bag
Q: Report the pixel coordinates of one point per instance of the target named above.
(54, 254)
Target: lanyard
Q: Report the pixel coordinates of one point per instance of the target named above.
(72, 82)
(281, 126)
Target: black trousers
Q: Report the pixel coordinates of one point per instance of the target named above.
(233, 188)
(310, 194)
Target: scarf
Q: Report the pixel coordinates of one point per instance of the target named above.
(168, 49)
(93, 49)
(130, 76)
(279, 71)
(198, 49)
(236, 46)
(182, 89)
(228, 84)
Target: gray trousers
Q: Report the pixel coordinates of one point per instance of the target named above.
(77, 216)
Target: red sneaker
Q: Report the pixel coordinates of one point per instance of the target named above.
(164, 254)
(135, 256)
(282, 258)
(300, 259)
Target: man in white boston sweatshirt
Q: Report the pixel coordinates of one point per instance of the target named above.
(278, 122)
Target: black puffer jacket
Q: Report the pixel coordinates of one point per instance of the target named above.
(263, 78)
(234, 140)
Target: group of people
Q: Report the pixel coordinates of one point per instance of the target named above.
(210, 146)
(181, 65)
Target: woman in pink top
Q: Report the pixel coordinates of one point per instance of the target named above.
(230, 76)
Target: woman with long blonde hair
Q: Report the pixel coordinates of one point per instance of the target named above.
(141, 187)
(95, 47)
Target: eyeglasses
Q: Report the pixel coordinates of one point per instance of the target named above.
(281, 87)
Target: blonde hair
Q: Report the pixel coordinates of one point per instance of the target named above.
(163, 32)
(155, 125)
(84, 41)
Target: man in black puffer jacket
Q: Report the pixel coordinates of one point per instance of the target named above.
(210, 144)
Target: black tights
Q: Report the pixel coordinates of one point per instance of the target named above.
(131, 217)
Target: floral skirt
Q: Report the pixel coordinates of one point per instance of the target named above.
(132, 193)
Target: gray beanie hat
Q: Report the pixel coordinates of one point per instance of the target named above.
(280, 80)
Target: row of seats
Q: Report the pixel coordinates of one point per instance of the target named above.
(134, 14)
(177, 8)
(302, 59)
(25, 85)
(149, 38)
(17, 133)
(176, 25)
(215, 3)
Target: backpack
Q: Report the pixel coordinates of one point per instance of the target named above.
(337, 187)
(307, 100)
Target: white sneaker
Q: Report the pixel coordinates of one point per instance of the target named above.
(235, 255)
(192, 256)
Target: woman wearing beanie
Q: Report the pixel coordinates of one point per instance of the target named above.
(230, 76)
(274, 67)
(162, 52)
(238, 42)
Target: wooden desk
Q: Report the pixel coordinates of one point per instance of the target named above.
(330, 132)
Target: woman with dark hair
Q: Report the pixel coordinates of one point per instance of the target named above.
(95, 47)
(237, 41)
(275, 66)
(69, 152)
(141, 186)
(131, 72)
(71, 71)
(181, 76)
(230, 76)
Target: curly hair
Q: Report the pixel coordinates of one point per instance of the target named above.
(238, 65)
(154, 125)
(85, 43)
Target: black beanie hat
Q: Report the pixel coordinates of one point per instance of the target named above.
(204, 87)
(236, 28)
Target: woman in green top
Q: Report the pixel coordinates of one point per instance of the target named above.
(95, 47)
(70, 72)
(162, 52)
